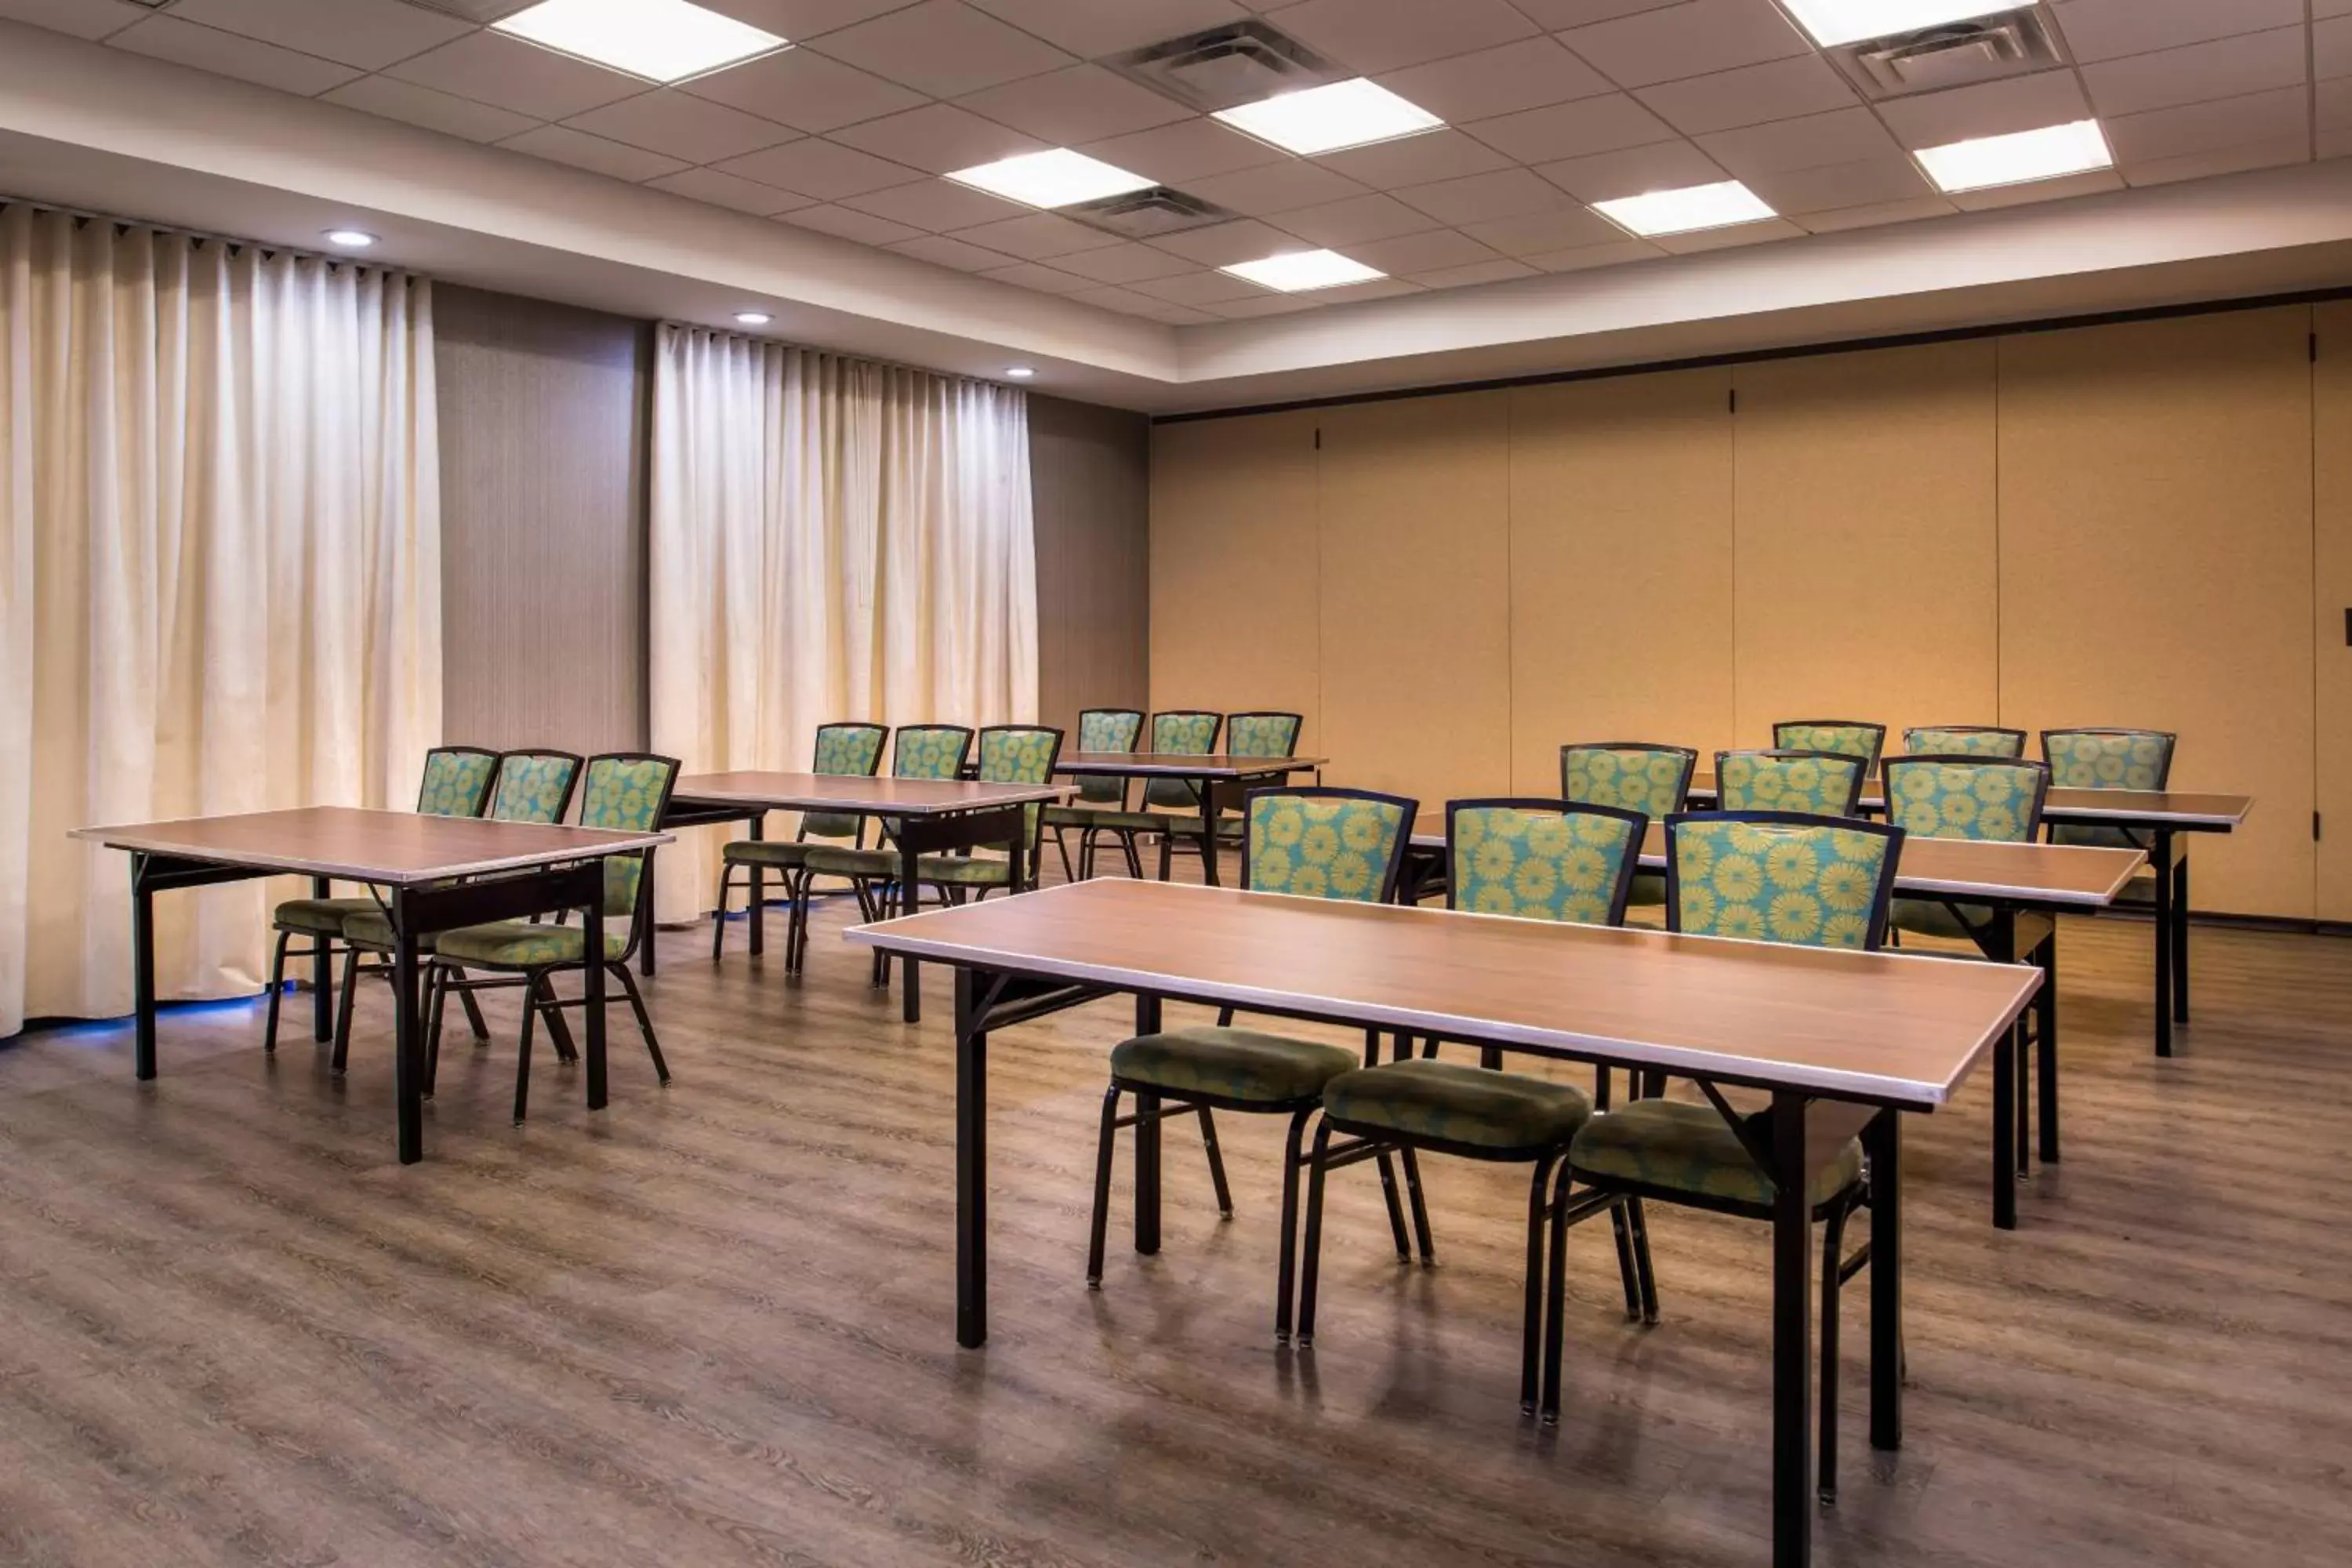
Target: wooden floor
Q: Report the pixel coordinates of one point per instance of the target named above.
(713, 1325)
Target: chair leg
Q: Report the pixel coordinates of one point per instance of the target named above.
(1287, 1275)
(436, 999)
(1164, 843)
(1420, 1209)
(645, 1022)
(1620, 1226)
(277, 985)
(474, 1019)
(1540, 1203)
(1640, 1223)
(1216, 1163)
(1100, 1225)
(1134, 855)
(719, 913)
(559, 1029)
(1396, 1209)
(1062, 847)
(1312, 1265)
(522, 1058)
(342, 1052)
(1832, 1250)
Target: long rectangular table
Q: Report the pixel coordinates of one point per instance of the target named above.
(1842, 1041)
(437, 873)
(2024, 886)
(2162, 820)
(1204, 772)
(929, 817)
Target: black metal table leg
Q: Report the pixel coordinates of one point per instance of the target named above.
(1792, 1335)
(1208, 791)
(911, 901)
(645, 947)
(758, 912)
(2004, 1129)
(322, 973)
(2180, 939)
(142, 970)
(407, 1035)
(972, 1163)
(592, 976)
(1883, 1139)
(2163, 859)
(1147, 1143)
(2045, 1013)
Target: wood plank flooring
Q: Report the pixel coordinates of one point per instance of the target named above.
(713, 1325)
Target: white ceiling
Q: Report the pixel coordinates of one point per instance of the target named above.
(1552, 104)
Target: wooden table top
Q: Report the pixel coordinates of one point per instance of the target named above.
(1888, 1029)
(2158, 809)
(2076, 875)
(387, 847)
(1180, 764)
(857, 794)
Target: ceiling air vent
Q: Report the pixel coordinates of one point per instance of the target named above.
(1147, 215)
(1226, 67)
(1959, 54)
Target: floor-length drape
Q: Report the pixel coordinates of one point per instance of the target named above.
(832, 540)
(219, 521)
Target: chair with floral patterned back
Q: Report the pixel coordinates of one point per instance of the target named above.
(1636, 776)
(1989, 799)
(1169, 804)
(1346, 845)
(2108, 758)
(1101, 730)
(921, 752)
(1262, 734)
(1822, 784)
(1840, 737)
(850, 750)
(1963, 740)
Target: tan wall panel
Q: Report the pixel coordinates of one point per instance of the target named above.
(1235, 608)
(1415, 502)
(1089, 471)
(2332, 595)
(2156, 557)
(1866, 552)
(1620, 566)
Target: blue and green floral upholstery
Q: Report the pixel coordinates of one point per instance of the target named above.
(1102, 730)
(1818, 783)
(1675, 1149)
(519, 944)
(1324, 844)
(1240, 1065)
(1261, 734)
(844, 751)
(1840, 737)
(1777, 876)
(1009, 754)
(1454, 1102)
(321, 917)
(626, 794)
(1542, 861)
(1183, 733)
(931, 751)
(1963, 740)
(1990, 799)
(2106, 759)
(534, 786)
(456, 781)
(1651, 780)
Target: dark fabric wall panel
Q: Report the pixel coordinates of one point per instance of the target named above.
(1090, 471)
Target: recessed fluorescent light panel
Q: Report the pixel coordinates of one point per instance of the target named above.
(1055, 178)
(1684, 211)
(1325, 119)
(1295, 271)
(661, 40)
(1835, 22)
(2013, 160)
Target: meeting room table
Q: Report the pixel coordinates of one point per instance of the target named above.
(923, 816)
(2163, 819)
(2024, 887)
(1842, 1042)
(430, 873)
(1217, 781)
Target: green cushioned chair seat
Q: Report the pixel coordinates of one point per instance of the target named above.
(1140, 821)
(1459, 1103)
(832, 860)
(768, 852)
(963, 870)
(1933, 917)
(1648, 890)
(323, 917)
(1076, 817)
(1683, 1148)
(370, 928)
(1237, 1064)
(519, 944)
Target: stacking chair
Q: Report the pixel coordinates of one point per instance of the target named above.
(1820, 784)
(1844, 737)
(1009, 754)
(627, 791)
(1630, 775)
(456, 783)
(1314, 843)
(1246, 735)
(1963, 740)
(1991, 799)
(1167, 801)
(2106, 759)
(1100, 730)
(1762, 876)
(1534, 859)
(921, 751)
(842, 751)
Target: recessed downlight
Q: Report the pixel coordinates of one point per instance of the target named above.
(1325, 119)
(753, 318)
(1019, 372)
(660, 41)
(1296, 272)
(2074, 148)
(349, 238)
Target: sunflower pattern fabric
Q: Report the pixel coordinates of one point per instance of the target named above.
(931, 751)
(1539, 865)
(1813, 887)
(1021, 757)
(1846, 739)
(1185, 735)
(624, 795)
(532, 787)
(456, 783)
(1459, 1103)
(842, 751)
(1674, 1146)
(1106, 730)
(2125, 759)
(1649, 782)
(1261, 734)
(1758, 781)
(513, 944)
(1323, 847)
(1991, 801)
(1939, 743)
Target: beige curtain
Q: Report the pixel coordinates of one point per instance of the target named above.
(219, 578)
(832, 540)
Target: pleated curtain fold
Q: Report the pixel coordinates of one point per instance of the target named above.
(219, 519)
(832, 540)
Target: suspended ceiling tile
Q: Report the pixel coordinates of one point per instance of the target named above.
(1042, 280)
(91, 19)
(1187, 151)
(826, 169)
(1201, 288)
(2103, 29)
(800, 19)
(1442, 155)
(1221, 245)
(728, 191)
(507, 73)
(1040, 236)
(1375, 217)
(2331, 48)
(1349, 293)
(1778, 89)
(2332, 102)
(1573, 226)
(1877, 214)
(1125, 263)
(1992, 108)
(942, 47)
(2096, 183)
(563, 144)
(1527, 74)
(804, 89)
(2226, 67)
(944, 251)
(1507, 193)
(226, 54)
(1130, 303)
(1092, 29)
(1082, 103)
(1631, 170)
(939, 206)
(1840, 136)
(1559, 16)
(1584, 257)
(1275, 187)
(1729, 237)
(1502, 270)
(1266, 303)
(694, 128)
(938, 137)
(848, 223)
(1440, 248)
(1694, 39)
(1869, 182)
(2206, 127)
(2219, 160)
(421, 106)
(1371, 36)
(369, 34)
(1575, 129)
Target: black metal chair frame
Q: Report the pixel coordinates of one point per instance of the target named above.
(1956, 760)
(800, 881)
(1154, 1105)
(1910, 729)
(1128, 836)
(1853, 797)
(1187, 836)
(756, 907)
(1086, 866)
(2163, 774)
(1878, 741)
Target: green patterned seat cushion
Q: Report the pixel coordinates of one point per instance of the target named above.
(519, 944)
(624, 794)
(371, 928)
(1105, 729)
(533, 788)
(1936, 742)
(1180, 734)
(1677, 1147)
(842, 751)
(1136, 821)
(1459, 1103)
(1631, 778)
(1235, 1064)
(1758, 781)
(2131, 759)
(1813, 885)
(962, 871)
(839, 861)
(1020, 757)
(931, 751)
(1538, 865)
(765, 851)
(457, 783)
(1648, 890)
(1862, 740)
(1934, 917)
(1323, 847)
(321, 917)
(1261, 734)
(1990, 801)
